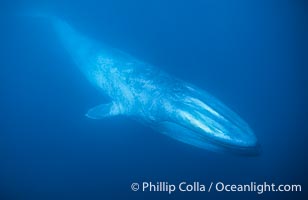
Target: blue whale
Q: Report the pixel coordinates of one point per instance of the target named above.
(140, 91)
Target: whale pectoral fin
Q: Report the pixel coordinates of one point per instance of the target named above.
(103, 110)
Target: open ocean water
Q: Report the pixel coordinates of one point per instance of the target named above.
(252, 55)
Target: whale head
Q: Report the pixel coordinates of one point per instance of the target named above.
(199, 119)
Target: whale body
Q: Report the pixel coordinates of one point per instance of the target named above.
(138, 90)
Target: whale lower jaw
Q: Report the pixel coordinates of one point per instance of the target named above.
(199, 140)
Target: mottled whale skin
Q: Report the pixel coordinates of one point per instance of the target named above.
(145, 93)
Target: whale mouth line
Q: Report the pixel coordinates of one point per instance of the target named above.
(223, 130)
(222, 143)
(196, 138)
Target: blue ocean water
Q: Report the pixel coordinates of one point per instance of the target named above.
(250, 54)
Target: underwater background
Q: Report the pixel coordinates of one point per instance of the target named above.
(252, 55)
